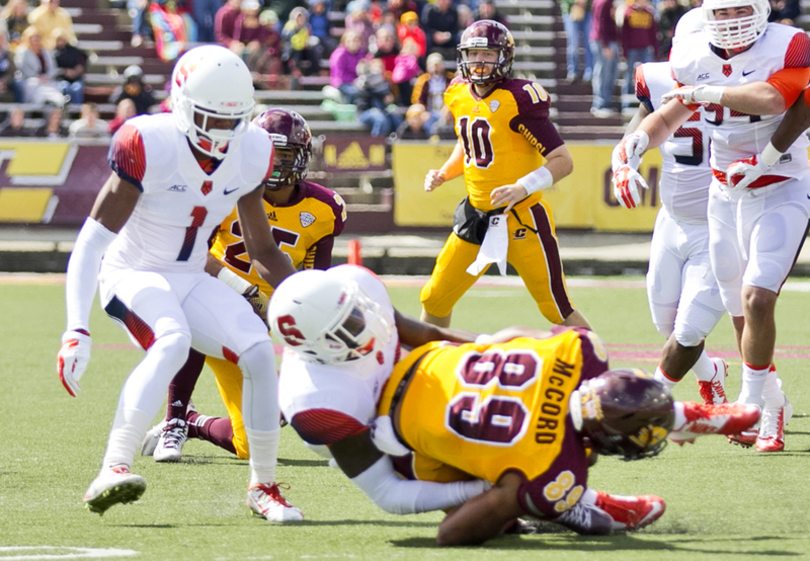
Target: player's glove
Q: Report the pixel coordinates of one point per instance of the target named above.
(744, 173)
(72, 359)
(258, 300)
(695, 95)
(628, 152)
(625, 186)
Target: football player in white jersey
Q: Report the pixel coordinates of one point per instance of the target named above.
(175, 178)
(682, 292)
(331, 378)
(746, 73)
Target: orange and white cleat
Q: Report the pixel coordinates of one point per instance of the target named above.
(266, 500)
(713, 392)
(723, 418)
(631, 512)
(771, 437)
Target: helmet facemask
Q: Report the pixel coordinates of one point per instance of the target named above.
(213, 142)
(738, 32)
(289, 166)
(360, 330)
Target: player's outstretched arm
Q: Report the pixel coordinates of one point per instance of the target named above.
(373, 472)
(483, 517)
(415, 333)
(452, 168)
(271, 263)
(112, 208)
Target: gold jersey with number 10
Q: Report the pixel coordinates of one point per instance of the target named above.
(505, 135)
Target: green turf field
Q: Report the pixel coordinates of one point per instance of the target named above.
(723, 502)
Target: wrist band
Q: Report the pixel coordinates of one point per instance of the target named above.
(770, 155)
(538, 180)
(233, 280)
(712, 94)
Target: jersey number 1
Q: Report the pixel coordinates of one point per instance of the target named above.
(198, 214)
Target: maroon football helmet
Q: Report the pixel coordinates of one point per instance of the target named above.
(292, 139)
(486, 34)
(625, 413)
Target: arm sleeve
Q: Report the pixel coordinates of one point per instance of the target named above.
(790, 82)
(325, 426)
(82, 272)
(534, 118)
(381, 484)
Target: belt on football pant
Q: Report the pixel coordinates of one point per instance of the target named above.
(399, 393)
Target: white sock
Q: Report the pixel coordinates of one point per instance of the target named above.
(704, 368)
(129, 428)
(660, 376)
(753, 382)
(771, 390)
(680, 417)
(263, 454)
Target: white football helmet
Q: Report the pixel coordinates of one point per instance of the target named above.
(735, 33)
(689, 23)
(211, 81)
(327, 319)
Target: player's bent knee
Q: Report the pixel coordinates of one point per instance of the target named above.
(258, 359)
(173, 348)
(688, 336)
(664, 329)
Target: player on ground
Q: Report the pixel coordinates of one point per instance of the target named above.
(304, 218)
(681, 289)
(176, 177)
(508, 151)
(745, 72)
(503, 410)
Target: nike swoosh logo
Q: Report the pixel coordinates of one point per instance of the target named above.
(226, 192)
(747, 73)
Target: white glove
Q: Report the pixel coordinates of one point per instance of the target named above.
(628, 152)
(743, 173)
(72, 359)
(691, 95)
(625, 186)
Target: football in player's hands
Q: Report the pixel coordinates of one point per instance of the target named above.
(744, 173)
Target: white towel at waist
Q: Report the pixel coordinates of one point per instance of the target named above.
(494, 247)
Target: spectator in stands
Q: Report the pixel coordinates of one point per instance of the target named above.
(605, 50)
(172, 27)
(444, 127)
(577, 22)
(258, 44)
(343, 64)
(302, 52)
(135, 89)
(785, 11)
(373, 98)
(88, 125)
(320, 26)
(409, 29)
(141, 26)
(359, 20)
(639, 41)
(668, 16)
(71, 64)
(204, 12)
(487, 10)
(429, 87)
(283, 8)
(14, 126)
(15, 14)
(36, 69)
(49, 16)
(440, 23)
(7, 70)
(53, 127)
(225, 23)
(123, 111)
(466, 17)
(415, 125)
(406, 70)
(398, 8)
(386, 49)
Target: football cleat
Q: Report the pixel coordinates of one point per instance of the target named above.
(150, 440)
(113, 486)
(169, 446)
(268, 502)
(724, 418)
(714, 391)
(771, 437)
(631, 512)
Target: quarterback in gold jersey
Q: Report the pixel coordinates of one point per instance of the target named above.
(508, 151)
(304, 219)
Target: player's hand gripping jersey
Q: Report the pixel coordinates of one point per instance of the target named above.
(685, 174)
(781, 57)
(304, 229)
(504, 135)
(501, 408)
(180, 204)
